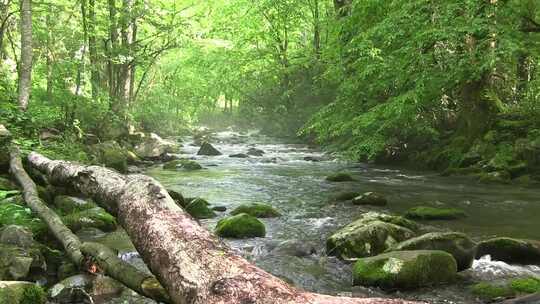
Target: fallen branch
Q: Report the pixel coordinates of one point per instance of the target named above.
(192, 264)
(104, 257)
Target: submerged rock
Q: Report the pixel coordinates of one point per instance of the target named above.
(340, 177)
(186, 164)
(208, 149)
(405, 269)
(219, 208)
(366, 236)
(345, 196)
(239, 155)
(240, 226)
(370, 198)
(459, 245)
(297, 248)
(19, 292)
(257, 210)
(510, 250)
(432, 213)
(199, 209)
(255, 152)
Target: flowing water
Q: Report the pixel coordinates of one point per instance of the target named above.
(297, 188)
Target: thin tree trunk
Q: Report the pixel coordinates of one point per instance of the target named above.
(193, 265)
(105, 258)
(92, 49)
(80, 69)
(25, 69)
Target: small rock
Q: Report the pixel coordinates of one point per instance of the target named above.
(297, 248)
(219, 208)
(370, 198)
(208, 149)
(405, 269)
(240, 226)
(313, 158)
(255, 152)
(345, 196)
(509, 250)
(340, 177)
(17, 236)
(239, 155)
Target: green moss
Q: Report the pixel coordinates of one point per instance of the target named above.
(527, 285)
(91, 218)
(340, 177)
(256, 210)
(432, 213)
(240, 226)
(33, 295)
(405, 269)
(198, 208)
(488, 291)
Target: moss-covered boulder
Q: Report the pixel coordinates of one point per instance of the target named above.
(199, 209)
(459, 245)
(19, 292)
(208, 149)
(366, 236)
(345, 196)
(69, 204)
(91, 218)
(489, 291)
(240, 226)
(17, 235)
(515, 251)
(405, 269)
(257, 210)
(177, 197)
(18, 263)
(340, 177)
(110, 154)
(7, 185)
(16, 214)
(370, 198)
(433, 213)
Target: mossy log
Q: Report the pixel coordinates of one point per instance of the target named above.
(104, 257)
(192, 264)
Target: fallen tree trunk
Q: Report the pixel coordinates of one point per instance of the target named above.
(104, 257)
(192, 264)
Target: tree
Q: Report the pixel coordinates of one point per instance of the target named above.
(25, 68)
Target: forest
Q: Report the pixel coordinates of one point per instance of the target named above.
(270, 151)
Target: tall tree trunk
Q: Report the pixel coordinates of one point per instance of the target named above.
(4, 18)
(25, 68)
(92, 50)
(343, 7)
(112, 54)
(192, 264)
(316, 29)
(80, 69)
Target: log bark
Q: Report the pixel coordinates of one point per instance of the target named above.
(25, 69)
(79, 254)
(192, 264)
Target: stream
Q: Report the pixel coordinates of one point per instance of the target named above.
(298, 189)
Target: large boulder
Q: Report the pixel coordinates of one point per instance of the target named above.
(154, 147)
(368, 236)
(82, 288)
(405, 269)
(257, 210)
(208, 149)
(18, 263)
(459, 245)
(110, 154)
(69, 204)
(91, 218)
(240, 226)
(199, 209)
(370, 198)
(510, 250)
(433, 213)
(19, 292)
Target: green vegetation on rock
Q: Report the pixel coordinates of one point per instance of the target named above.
(405, 269)
(240, 226)
(18, 292)
(199, 208)
(340, 177)
(14, 214)
(511, 250)
(257, 210)
(90, 218)
(511, 288)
